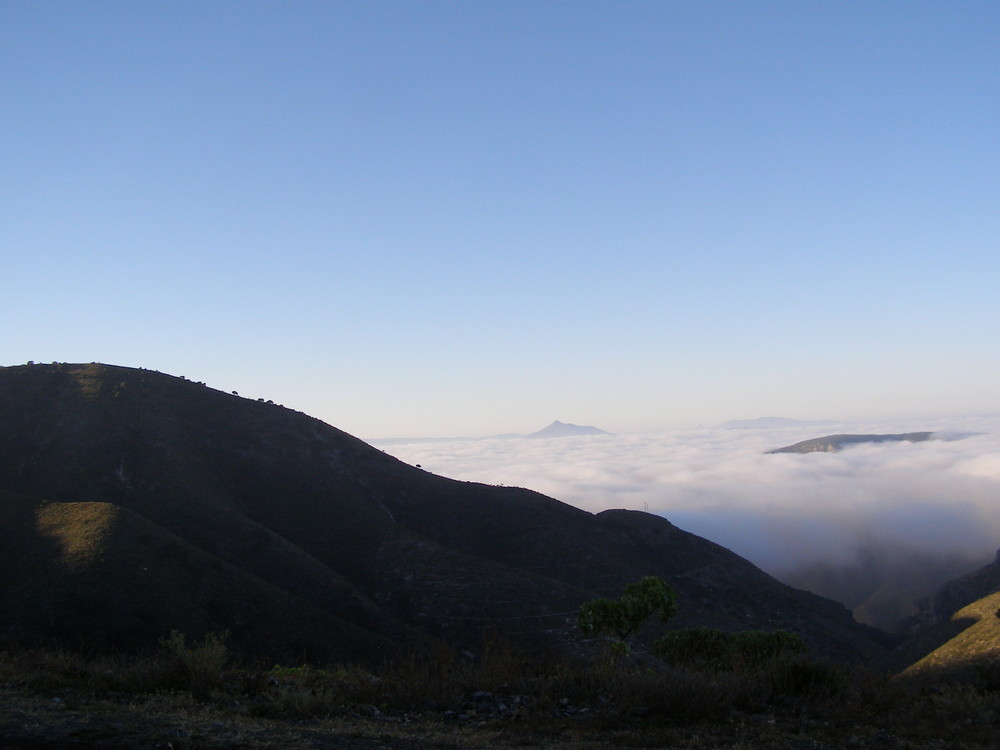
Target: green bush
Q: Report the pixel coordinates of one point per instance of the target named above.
(704, 648)
(712, 649)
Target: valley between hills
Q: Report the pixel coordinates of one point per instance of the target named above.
(137, 504)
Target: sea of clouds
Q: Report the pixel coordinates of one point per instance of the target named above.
(869, 518)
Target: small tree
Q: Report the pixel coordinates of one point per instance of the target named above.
(620, 618)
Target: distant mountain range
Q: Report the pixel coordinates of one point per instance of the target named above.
(768, 423)
(556, 429)
(833, 443)
(134, 503)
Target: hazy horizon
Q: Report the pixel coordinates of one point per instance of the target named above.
(915, 514)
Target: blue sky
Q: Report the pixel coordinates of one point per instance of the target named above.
(444, 218)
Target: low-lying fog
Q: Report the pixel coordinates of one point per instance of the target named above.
(873, 526)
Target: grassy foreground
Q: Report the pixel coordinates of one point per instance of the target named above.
(196, 696)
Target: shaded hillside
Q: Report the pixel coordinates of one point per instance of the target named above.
(882, 582)
(95, 574)
(137, 502)
(833, 443)
(953, 596)
(956, 648)
(955, 628)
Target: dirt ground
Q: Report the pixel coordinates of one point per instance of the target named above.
(176, 722)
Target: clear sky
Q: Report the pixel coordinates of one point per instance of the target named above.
(465, 218)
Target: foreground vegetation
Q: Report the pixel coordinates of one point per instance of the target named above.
(196, 695)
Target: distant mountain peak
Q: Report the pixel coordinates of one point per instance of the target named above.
(565, 429)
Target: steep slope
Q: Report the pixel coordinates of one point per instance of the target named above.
(602, 553)
(95, 574)
(954, 629)
(956, 648)
(137, 502)
(953, 596)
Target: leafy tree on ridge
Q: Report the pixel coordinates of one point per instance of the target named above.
(620, 618)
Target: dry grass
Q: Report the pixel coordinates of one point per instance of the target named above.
(977, 643)
(183, 696)
(79, 529)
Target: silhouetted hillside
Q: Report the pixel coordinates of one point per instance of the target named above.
(135, 502)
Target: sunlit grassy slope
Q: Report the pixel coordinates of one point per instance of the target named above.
(974, 642)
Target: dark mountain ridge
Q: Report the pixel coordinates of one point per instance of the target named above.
(135, 503)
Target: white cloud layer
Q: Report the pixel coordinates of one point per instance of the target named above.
(785, 512)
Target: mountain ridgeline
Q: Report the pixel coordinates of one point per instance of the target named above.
(135, 503)
(834, 443)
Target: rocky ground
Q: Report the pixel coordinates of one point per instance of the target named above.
(175, 721)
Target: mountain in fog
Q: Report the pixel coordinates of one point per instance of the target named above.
(556, 429)
(833, 443)
(563, 429)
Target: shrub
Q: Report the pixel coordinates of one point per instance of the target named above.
(757, 646)
(310, 691)
(198, 667)
(703, 648)
(712, 649)
(810, 679)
